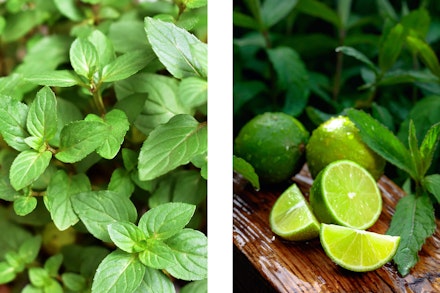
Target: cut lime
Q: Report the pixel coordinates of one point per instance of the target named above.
(345, 193)
(291, 217)
(357, 250)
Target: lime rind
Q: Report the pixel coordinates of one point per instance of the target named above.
(345, 193)
(357, 250)
(291, 217)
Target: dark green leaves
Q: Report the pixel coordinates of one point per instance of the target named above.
(171, 145)
(247, 171)
(181, 52)
(382, 141)
(413, 221)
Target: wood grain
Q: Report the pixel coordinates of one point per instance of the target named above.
(264, 262)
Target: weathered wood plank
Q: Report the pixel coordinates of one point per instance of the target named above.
(303, 267)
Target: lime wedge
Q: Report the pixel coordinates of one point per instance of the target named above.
(291, 217)
(357, 250)
(345, 193)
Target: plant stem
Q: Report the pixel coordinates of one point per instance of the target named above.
(339, 65)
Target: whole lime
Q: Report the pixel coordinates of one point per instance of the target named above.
(338, 139)
(274, 144)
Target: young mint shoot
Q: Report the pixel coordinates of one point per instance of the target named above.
(103, 146)
(414, 218)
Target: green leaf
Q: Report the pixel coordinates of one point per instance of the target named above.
(242, 167)
(391, 47)
(103, 46)
(155, 281)
(200, 286)
(201, 161)
(24, 205)
(121, 182)
(171, 145)
(13, 115)
(426, 53)
(30, 248)
(131, 105)
(382, 141)
(413, 221)
(349, 51)
(7, 192)
(195, 3)
(126, 65)
(127, 236)
(27, 167)
(320, 10)
(74, 282)
(156, 255)
(42, 116)
(39, 277)
(429, 146)
(98, 209)
(7, 273)
(166, 220)
(181, 52)
(193, 92)
(78, 139)
(117, 126)
(186, 186)
(190, 248)
(60, 78)
(432, 184)
(57, 199)
(118, 272)
(69, 9)
(83, 57)
(414, 150)
(272, 11)
(53, 264)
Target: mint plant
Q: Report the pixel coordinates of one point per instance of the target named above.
(414, 218)
(103, 148)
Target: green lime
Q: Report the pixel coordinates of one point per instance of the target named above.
(357, 250)
(274, 144)
(345, 193)
(339, 139)
(291, 217)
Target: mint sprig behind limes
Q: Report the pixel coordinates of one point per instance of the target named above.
(414, 218)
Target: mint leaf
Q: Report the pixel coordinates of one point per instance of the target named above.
(24, 205)
(166, 219)
(57, 199)
(7, 273)
(74, 282)
(413, 221)
(60, 78)
(432, 184)
(272, 11)
(42, 116)
(349, 51)
(83, 57)
(200, 286)
(53, 264)
(98, 209)
(190, 249)
(13, 116)
(171, 145)
(382, 141)
(127, 236)
(103, 46)
(27, 167)
(156, 255)
(242, 167)
(414, 150)
(118, 272)
(155, 281)
(126, 65)
(78, 139)
(193, 91)
(121, 182)
(427, 54)
(429, 146)
(391, 47)
(117, 126)
(181, 52)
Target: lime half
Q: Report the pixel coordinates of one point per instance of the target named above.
(345, 193)
(357, 250)
(291, 217)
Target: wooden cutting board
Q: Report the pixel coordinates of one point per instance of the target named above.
(264, 262)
